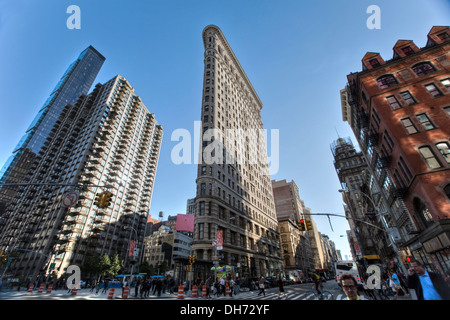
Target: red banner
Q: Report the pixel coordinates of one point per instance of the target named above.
(219, 238)
(132, 246)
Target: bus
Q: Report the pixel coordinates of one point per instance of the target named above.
(348, 267)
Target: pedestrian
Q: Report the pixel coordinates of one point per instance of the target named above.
(136, 288)
(171, 285)
(158, 287)
(427, 284)
(394, 283)
(208, 285)
(281, 288)
(231, 285)
(97, 287)
(217, 287)
(93, 285)
(261, 286)
(222, 286)
(350, 287)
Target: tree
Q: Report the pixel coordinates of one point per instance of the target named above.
(116, 264)
(104, 265)
(146, 268)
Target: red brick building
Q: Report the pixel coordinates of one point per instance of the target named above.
(399, 110)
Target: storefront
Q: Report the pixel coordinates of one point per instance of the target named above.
(432, 247)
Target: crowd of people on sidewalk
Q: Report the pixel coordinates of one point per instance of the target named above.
(427, 285)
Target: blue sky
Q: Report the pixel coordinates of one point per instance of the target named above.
(295, 53)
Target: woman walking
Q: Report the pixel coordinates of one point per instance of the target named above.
(261, 286)
(281, 288)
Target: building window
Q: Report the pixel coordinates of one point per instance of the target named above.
(429, 157)
(408, 98)
(444, 150)
(425, 121)
(409, 125)
(446, 83)
(200, 230)
(443, 36)
(386, 81)
(422, 212)
(374, 62)
(202, 189)
(433, 90)
(393, 102)
(405, 170)
(424, 68)
(447, 190)
(447, 110)
(407, 50)
(202, 208)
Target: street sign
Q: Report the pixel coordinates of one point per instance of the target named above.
(70, 199)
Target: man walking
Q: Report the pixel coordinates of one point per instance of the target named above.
(428, 285)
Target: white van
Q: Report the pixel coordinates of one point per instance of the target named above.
(347, 267)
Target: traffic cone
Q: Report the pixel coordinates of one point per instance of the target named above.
(30, 288)
(74, 291)
(227, 290)
(181, 292)
(111, 293)
(49, 288)
(126, 290)
(194, 291)
(204, 291)
(41, 288)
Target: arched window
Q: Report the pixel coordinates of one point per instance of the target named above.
(447, 191)
(422, 212)
(386, 81)
(423, 68)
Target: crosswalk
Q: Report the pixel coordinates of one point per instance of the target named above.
(294, 295)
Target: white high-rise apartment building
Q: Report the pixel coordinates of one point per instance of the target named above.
(106, 141)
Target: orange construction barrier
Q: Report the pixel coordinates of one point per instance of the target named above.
(204, 291)
(49, 288)
(41, 288)
(74, 291)
(227, 289)
(126, 290)
(194, 291)
(111, 293)
(30, 288)
(181, 292)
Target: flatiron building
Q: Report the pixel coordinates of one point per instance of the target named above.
(234, 192)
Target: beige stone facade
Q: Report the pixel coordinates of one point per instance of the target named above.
(234, 193)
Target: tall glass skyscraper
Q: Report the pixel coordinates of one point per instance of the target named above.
(76, 81)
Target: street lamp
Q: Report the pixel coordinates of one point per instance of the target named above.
(386, 229)
(129, 243)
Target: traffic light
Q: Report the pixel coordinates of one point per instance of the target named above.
(106, 199)
(190, 260)
(98, 199)
(193, 259)
(308, 224)
(301, 225)
(408, 259)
